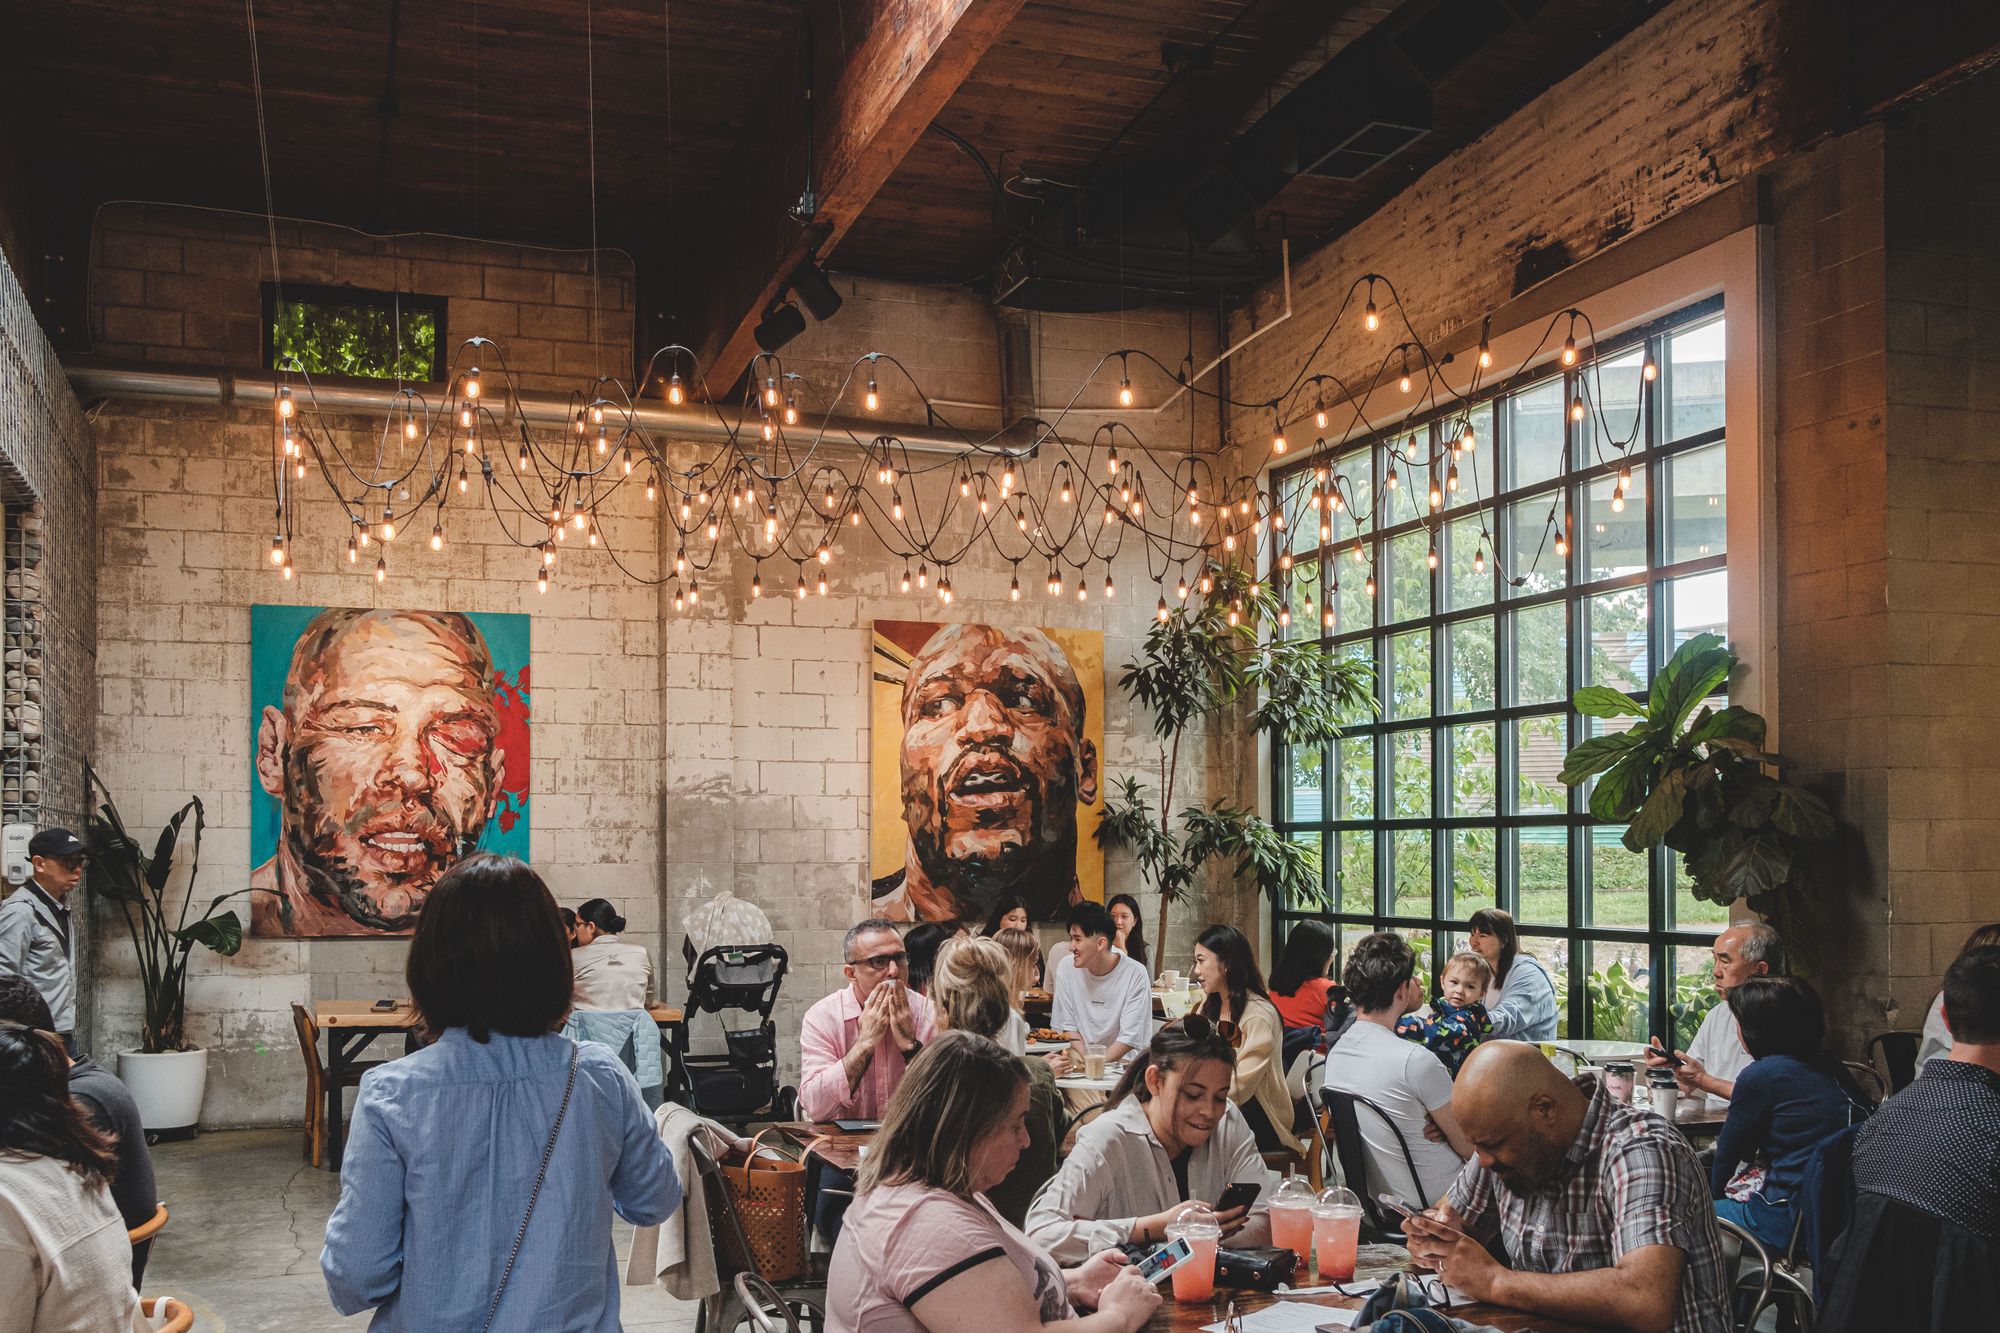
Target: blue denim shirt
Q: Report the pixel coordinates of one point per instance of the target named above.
(440, 1160)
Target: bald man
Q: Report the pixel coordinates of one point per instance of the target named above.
(1602, 1207)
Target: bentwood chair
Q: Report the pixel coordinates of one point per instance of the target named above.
(1747, 1266)
(319, 1089)
(1870, 1080)
(1898, 1056)
(149, 1228)
(767, 1311)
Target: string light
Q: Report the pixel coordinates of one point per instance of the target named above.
(1569, 342)
(873, 400)
(1576, 408)
(1649, 369)
(675, 394)
(285, 405)
(1124, 382)
(1404, 382)
(1160, 611)
(792, 409)
(1277, 433)
(437, 536)
(1486, 344)
(277, 550)
(1479, 560)
(381, 568)
(906, 578)
(1371, 320)
(1014, 588)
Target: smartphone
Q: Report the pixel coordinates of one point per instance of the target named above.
(1665, 1052)
(1157, 1265)
(384, 1006)
(1395, 1204)
(1240, 1195)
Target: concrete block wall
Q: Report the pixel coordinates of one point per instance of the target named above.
(47, 452)
(186, 515)
(185, 286)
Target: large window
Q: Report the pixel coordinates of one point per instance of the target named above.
(1570, 552)
(349, 331)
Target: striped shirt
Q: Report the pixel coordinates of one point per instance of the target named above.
(1628, 1181)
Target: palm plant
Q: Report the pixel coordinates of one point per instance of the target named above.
(121, 873)
(1702, 783)
(1199, 661)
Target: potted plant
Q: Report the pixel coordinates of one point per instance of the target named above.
(1198, 661)
(166, 1075)
(1702, 783)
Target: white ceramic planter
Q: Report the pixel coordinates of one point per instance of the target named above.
(167, 1086)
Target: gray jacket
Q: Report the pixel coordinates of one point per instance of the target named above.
(32, 947)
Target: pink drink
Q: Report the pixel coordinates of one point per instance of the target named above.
(1336, 1236)
(1292, 1229)
(1194, 1278)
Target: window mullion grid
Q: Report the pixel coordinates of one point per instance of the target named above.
(1658, 877)
(1576, 836)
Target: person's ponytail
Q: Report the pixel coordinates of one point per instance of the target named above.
(1175, 1046)
(600, 913)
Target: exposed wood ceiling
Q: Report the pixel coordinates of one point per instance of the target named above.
(471, 116)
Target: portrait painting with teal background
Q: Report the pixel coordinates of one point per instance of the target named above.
(404, 727)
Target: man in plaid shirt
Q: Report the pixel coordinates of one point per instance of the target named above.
(1603, 1211)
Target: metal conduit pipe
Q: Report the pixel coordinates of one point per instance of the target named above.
(260, 387)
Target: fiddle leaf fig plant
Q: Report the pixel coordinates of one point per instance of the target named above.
(123, 874)
(1198, 661)
(1699, 780)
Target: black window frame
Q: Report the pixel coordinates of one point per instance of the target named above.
(1662, 934)
(366, 297)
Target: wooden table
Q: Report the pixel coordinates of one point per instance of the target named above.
(352, 1025)
(1038, 1003)
(1189, 1316)
(827, 1142)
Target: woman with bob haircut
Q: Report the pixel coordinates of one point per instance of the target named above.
(65, 1262)
(1170, 1137)
(1788, 1100)
(482, 1171)
(1522, 999)
(923, 1251)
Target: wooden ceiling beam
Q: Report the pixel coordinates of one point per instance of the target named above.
(908, 60)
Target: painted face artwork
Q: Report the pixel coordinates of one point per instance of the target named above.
(386, 759)
(993, 766)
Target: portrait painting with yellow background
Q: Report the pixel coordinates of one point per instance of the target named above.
(897, 644)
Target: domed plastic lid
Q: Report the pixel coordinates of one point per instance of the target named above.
(1194, 1222)
(1294, 1192)
(1338, 1201)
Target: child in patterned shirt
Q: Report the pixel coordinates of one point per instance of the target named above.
(1458, 1020)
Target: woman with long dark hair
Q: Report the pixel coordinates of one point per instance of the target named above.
(610, 974)
(921, 943)
(1239, 1006)
(68, 1263)
(1522, 1002)
(1310, 1003)
(1010, 913)
(482, 1171)
(1171, 1136)
(1131, 926)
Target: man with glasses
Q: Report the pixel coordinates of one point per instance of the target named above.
(35, 934)
(855, 1044)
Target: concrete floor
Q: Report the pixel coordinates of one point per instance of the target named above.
(248, 1218)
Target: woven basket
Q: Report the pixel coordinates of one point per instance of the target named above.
(771, 1200)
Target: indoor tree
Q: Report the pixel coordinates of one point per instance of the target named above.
(1200, 661)
(1702, 783)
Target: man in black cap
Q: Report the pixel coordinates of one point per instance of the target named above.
(35, 934)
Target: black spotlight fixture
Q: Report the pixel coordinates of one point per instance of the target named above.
(809, 283)
(782, 324)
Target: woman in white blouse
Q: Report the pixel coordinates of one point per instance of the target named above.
(610, 974)
(1171, 1137)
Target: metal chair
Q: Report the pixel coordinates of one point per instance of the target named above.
(1352, 1152)
(1898, 1056)
(1871, 1081)
(767, 1311)
(725, 1310)
(1558, 1052)
(1748, 1265)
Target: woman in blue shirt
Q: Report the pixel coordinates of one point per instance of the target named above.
(1522, 1002)
(1791, 1098)
(451, 1147)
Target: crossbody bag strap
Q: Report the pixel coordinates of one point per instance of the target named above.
(547, 1152)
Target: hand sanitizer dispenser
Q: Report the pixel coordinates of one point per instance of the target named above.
(14, 860)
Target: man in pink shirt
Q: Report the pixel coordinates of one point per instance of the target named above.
(855, 1044)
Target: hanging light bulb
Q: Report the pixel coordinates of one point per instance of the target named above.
(381, 568)
(541, 580)
(873, 399)
(1124, 382)
(1327, 618)
(361, 531)
(1055, 582)
(1451, 478)
(906, 578)
(1014, 588)
(1562, 538)
(472, 382)
(1390, 484)
(983, 506)
(1111, 461)
(923, 577)
(1437, 496)
(277, 550)
(792, 409)
(1486, 344)
(1371, 320)
(802, 583)
(944, 591)
(1181, 587)
(1319, 416)
(1625, 476)
(827, 499)
(286, 568)
(965, 483)
(1431, 558)
(353, 551)
(628, 460)
(885, 475)
(1404, 382)
(1479, 560)
(465, 414)
(388, 524)
(652, 486)
(680, 600)
(1617, 502)
(822, 583)
(1066, 494)
(1082, 589)
(1368, 586)
(1576, 408)
(1110, 588)
(1007, 477)
(675, 394)
(1569, 344)
(1207, 584)
(770, 391)
(549, 554)
(464, 481)
(597, 414)
(1285, 561)
(1277, 434)
(437, 536)
(1649, 369)
(1160, 611)
(285, 405)
(603, 444)
(1466, 438)
(896, 506)
(694, 592)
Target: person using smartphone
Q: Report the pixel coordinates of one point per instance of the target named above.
(1717, 1054)
(1171, 1137)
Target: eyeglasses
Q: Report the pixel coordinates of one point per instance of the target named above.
(882, 962)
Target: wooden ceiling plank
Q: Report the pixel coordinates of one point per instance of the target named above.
(912, 60)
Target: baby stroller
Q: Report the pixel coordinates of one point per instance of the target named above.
(740, 1083)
